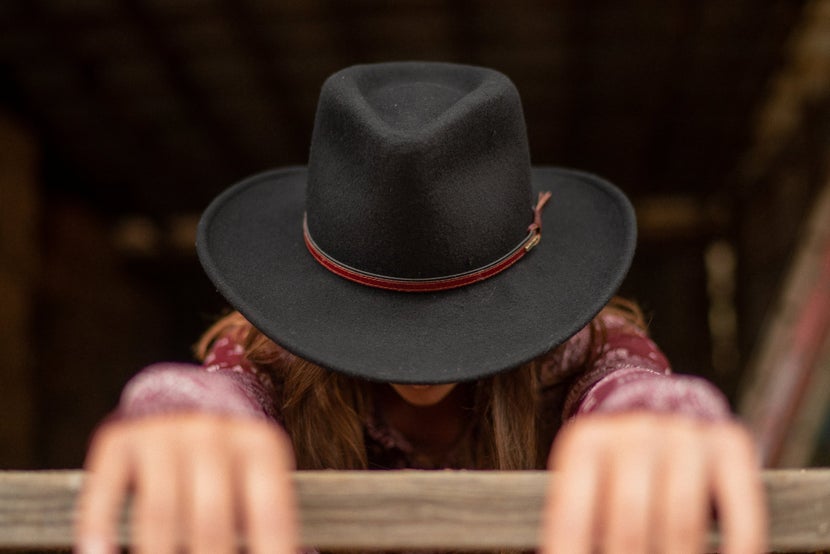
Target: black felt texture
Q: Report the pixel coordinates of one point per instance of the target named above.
(424, 207)
(418, 170)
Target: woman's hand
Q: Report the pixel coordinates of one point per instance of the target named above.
(196, 479)
(643, 482)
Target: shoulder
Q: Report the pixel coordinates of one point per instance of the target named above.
(610, 335)
(566, 359)
(268, 362)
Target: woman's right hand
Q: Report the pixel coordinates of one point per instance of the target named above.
(198, 481)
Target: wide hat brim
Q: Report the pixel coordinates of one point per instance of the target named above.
(250, 243)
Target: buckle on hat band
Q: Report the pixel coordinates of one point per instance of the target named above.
(433, 284)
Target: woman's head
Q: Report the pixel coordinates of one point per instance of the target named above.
(418, 180)
(313, 398)
(507, 433)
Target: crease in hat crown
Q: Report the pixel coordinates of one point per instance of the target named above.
(391, 194)
(464, 102)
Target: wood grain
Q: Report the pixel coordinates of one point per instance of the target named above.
(463, 510)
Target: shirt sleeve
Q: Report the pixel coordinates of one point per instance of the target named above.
(226, 384)
(626, 371)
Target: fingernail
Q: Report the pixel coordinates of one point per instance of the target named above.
(92, 546)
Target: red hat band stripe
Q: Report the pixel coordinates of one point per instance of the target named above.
(437, 284)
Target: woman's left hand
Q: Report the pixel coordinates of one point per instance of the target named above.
(646, 482)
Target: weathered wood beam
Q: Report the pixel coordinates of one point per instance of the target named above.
(291, 127)
(462, 510)
(175, 65)
(785, 394)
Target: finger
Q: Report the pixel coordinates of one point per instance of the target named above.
(630, 487)
(268, 503)
(100, 502)
(157, 517)
(209, 499)
(682, 510)
(568, 523)
(738, 491)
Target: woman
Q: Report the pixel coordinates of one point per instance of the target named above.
(398, 307)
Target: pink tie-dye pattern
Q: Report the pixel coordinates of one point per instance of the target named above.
(226, 383)
(626, 371)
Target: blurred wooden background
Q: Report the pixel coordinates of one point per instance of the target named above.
(121, 119)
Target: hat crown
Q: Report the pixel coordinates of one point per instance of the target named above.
(418, 169)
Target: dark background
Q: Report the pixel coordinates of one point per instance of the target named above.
(121, 119)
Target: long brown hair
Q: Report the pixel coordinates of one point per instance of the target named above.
(505, 436)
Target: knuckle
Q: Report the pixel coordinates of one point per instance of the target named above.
(155, 511)
(629, 539)
(746, 540)
(581, 434)
(742, 438)
(206, 435)
(684, 531)
(211, 532)
(254, 431)
(201, 427)
(105, 439)
(733, 438)
(729, 431)
(153, 532)
(264, 439)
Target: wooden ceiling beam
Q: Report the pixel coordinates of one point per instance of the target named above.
(803, 79)
(288, 121)
(231, 160)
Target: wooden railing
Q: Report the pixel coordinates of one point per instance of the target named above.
(461, 510)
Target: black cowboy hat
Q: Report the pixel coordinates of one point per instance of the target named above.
(410, 250)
